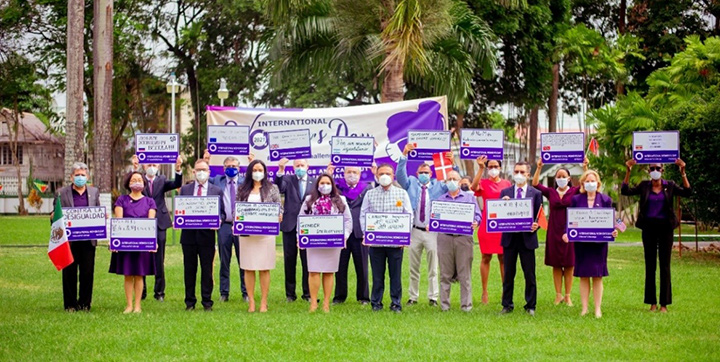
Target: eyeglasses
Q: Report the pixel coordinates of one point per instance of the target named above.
(655, 168)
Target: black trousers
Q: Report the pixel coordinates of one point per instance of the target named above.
(359, 254)
(378, 257)
(205, 253)
(290, 252)
(83, 252)
(159, 290)
(527, 262)
(657, 238)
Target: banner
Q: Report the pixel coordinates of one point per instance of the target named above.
(388, 123)
(197, 212)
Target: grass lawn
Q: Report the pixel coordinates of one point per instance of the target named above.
(35, 327)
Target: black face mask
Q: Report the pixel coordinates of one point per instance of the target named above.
(465, 188)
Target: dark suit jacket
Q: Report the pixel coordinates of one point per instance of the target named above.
(644, 189)
(203, 237)
(66, 199)
(581, 200)
(161, 185)
(529, 238)
(289, 186)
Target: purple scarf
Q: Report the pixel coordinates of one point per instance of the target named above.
(322, 206)
(350, 193)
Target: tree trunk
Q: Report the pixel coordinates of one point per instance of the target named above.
(553, 101)
(14, 130)
(102, 73)
(533, 134)
(393, 88)
(622, 11)
(74, 130)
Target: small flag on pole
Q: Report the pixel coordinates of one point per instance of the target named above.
(620, 225)
(594, 147)
(443, 164)
(541, 219)
(40, 185)
(59, 247)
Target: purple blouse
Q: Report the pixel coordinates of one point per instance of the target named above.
(655, 204)
(135, 208)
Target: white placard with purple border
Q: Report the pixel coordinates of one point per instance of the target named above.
(387, 229)
(228, 140)
(594, 225)
(256, 218)
(656, 147)
(509, 216)
(321, 231)
(293, 144)
(452, 217)
(352, 151)
(197, 212)
(427, 143)
(130, 234)
(481, 142)
(85, 223)
(562, 147)
(157, 147)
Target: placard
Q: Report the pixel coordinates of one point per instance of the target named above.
(131, 234)
(293, 144)
(586, 224)
(656, 147)
(85, 223)
(509, 216)
(452, 217)
(321, 231)
(481, 142)
(428, 143)
(228, 140)
(352, 151)
(562, 147)
(256, 218)
(197, 212)
(157, 147)
(387, 229)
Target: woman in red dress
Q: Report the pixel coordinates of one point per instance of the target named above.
(489, 189)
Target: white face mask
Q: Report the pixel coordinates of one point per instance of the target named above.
(151, 171)
(591, 186)
(352, 179)
(493, 172)
(655, 175)
(519, 179)
(258, 175)
(325, 189)
(562, 182)
(201, 176)
(385, 180)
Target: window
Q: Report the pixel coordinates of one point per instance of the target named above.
(6, 155)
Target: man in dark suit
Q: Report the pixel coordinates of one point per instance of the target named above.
(156, 187)
(521, 244)
(83, 251)
(200, 243)
(294, 187)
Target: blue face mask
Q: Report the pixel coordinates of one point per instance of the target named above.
(231, 171)
(424, 178)
(300, 172)
(80, 181)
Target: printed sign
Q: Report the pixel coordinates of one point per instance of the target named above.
(228, 140)
(133, 234)
(352, 151)
(197, 212)
(481, 142)
(387, 229)
(85, 223)
(256, 218)
(293, 144)
(590, 225)
(321, 231)
(656, 147)
(562, 147)
(428, 143)
(509, 216)
(157, 147)
(452, 217)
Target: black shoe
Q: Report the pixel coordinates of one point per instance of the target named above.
(377, 308)
(208, 309)
(307, 298)
(223, 298)
(160, 298)
(396, 308)
(290, 299)
(433, 302)
(190, 308)
(70, 310)
(364, 302)
(506, 310)
(246, 298)
(411, 302)
(531, 312)
(338, 301)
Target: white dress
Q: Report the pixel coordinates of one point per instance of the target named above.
(257, 252)
(327, 260)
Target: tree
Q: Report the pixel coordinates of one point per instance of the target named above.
(103, 83)
(74, 113)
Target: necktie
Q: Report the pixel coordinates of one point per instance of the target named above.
(150, 183)
(302, 188)
(519, 193)
(199, 193)
(422, 203)
(232, 191)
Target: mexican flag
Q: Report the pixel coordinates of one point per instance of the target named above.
(40, 185)
(59, 247)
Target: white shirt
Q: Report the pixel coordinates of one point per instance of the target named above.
(302, 185)
(524, 191)
(204, 189)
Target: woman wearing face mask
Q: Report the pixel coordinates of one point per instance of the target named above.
(558, 254)
(489, 189)
(325, 199)
(591, 258)
(257, 252)
(657, 220)
(136, 264)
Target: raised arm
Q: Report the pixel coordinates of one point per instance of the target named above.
(625, 189)
(481, 168)
(402, 175)
(685, 190)
(177, 181)
(536, 176)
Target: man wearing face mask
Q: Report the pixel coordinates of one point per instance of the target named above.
(354, 191)
(295, 187)
(157, 186)
(465, 183)
(522, 244)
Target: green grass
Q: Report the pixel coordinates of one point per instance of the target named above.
(34, 327)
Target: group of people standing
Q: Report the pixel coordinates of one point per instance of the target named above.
(449, 256)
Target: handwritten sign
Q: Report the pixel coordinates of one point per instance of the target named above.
(256, 218)
(656, 147)
(481, 142)
(321, 231)
(452, 217)
(157, 147)
(197, 212)
(85, 223)
(133, 234)
(353, 151)
(509, 216)
(293, 144)
(387, 229)
(428, 143)
(562, 147)
(590, 225)
(228, 140)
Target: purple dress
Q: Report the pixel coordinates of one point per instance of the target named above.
(558, 254)
(133, 262)
(591, 258)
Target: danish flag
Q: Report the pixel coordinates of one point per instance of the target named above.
(443, 164)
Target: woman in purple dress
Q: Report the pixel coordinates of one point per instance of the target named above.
(591, 257)
(558, 254)
(133, 264)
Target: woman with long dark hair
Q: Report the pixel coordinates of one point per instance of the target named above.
(257, 252)
(325, 199)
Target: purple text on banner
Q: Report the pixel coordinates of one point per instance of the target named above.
(656, 156)
(321, 241)
(86, 233)
(229, 148)
(563, 156)
(196, 222)
(157, 157)
(291, 153)
(509, 225)
(382, 238)
(133, 244)
(601, 235)
(422, 154)
(471, 153)
(255, 228)
(352, 160)
(451, 227)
